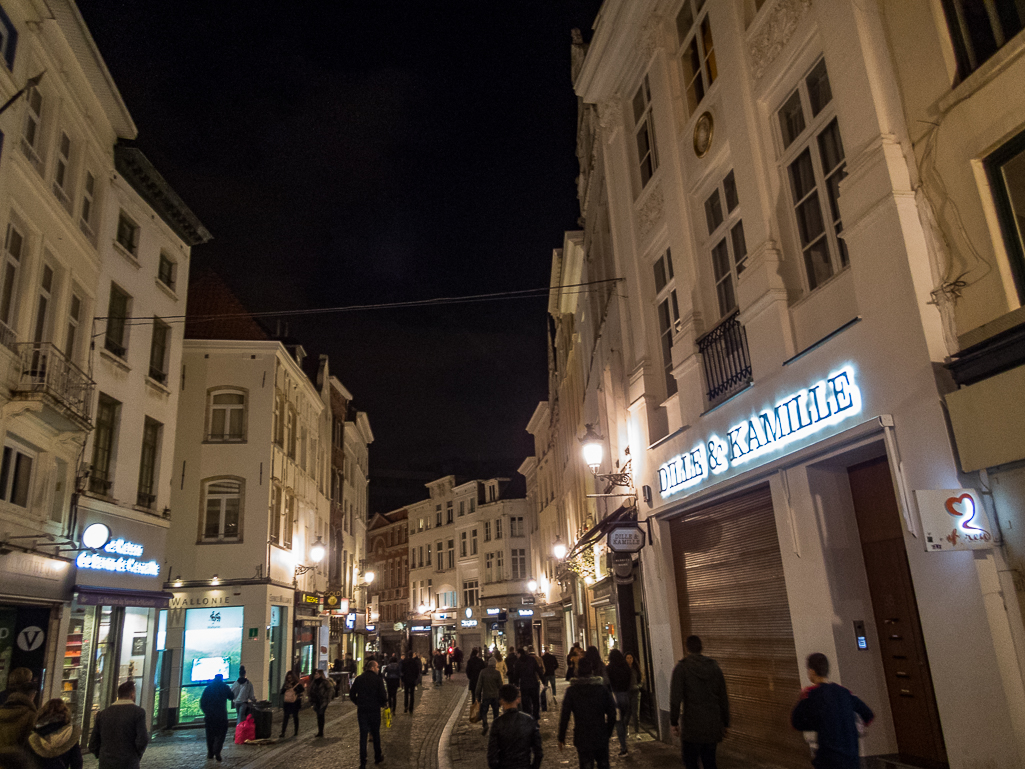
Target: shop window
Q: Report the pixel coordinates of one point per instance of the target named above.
(222, 504)
(696, 52)
(16, 473)
(212, 646)
(227, 416)
(1006, 171)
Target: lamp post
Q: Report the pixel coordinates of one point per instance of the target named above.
(317, 551)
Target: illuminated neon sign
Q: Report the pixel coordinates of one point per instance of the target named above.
(827, 402)
(126, 560)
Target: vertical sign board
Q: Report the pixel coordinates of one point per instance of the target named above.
(954, 519)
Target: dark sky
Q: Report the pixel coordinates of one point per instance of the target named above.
(360, 152)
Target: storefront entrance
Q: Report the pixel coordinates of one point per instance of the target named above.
(731, 592)
(905, 663)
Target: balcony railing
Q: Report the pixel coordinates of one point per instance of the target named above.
(44, 369)
(726, 360)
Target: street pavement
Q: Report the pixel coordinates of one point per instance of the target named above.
(412, 742)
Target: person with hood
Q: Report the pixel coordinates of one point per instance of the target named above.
(528, 674)
(619, 682)
(488, 683)
(291, 700)
(369, 696)
(119, 736)
(18, 713)
(54, 743)
(243, 695)
(474, 666)
(214, 704)
(392, 679)
(515, 741)
(412, 669)
(590, 703)
(321, 692)
(699, 686)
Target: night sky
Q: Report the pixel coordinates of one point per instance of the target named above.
(364, 152)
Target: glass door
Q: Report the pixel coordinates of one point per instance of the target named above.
(276, 636)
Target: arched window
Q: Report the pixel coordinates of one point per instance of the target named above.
(222, 510)
(227, 420)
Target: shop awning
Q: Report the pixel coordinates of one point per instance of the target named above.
(596, 532)
(111, 596)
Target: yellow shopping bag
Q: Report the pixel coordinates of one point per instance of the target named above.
(387, 718)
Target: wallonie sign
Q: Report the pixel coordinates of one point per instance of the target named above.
(827, 402)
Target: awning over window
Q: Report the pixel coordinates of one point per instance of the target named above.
(600, 529)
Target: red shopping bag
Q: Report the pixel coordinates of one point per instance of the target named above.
(245, 730)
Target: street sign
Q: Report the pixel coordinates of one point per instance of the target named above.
(626, 538)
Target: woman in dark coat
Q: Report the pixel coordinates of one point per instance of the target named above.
(54, 743)
(321, 692)
(474, 666)
(291, 690)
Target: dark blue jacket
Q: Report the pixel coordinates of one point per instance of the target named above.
(828, 710)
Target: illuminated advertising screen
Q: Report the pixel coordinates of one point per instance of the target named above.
(213, 645)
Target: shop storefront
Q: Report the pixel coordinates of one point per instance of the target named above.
(469, 630)
(443, 626)
(420, 638)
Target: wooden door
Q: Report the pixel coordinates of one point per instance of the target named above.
(912, 700)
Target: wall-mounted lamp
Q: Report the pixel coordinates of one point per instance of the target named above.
(559, 548)
(178, 581)
(593, 448)
(215, 580)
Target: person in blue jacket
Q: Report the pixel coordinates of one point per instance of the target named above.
(829, 710)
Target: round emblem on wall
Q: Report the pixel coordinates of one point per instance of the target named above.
(95, 536)
(703, 130)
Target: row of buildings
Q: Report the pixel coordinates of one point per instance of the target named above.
(801, 351)
(124, 441)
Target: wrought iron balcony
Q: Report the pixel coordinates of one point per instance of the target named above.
(726, 360)
(45, 371)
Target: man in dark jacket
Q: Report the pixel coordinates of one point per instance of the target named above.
(515, 741)
(699, 686)
(474, 666)
(829, 710)
(594, 717)
(214, 704)
(119, 735)
(528, 674)
(438, 666)
(551, 663)
(489, 685)
(411, 672)
(369, 695)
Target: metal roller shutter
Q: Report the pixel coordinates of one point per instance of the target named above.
(729, 579)
(553, 640)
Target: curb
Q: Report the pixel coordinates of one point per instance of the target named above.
(444, 753)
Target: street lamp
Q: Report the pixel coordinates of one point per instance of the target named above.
(318, 551)
(593, 447)
(532, 586)
(423, 608)
(559, 549)
(368, 577)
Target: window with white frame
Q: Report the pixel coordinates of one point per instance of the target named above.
(31, 133)
(448, 512)
(289, 520)
(428, 555)
(447, 599)
(813, 157)
(42, 329)
(980, 28)
(644, 132)
(729, 248)
(462, 507)
(118, 311)
(489, 567)
(127, 235)
(13, 246)
(499, 569)
(697, 52)
(462, 545)
(471, 592)
(1005, 168)
(165, 270)
(85, 220)
(275, 513)
(516, 528)
(498, 528)
(222, 505)
(667, 310)
(62, 172)
(473, 542)
(74, 319)
(16, 473)
(227, 416)
(291, 431)
(519, 564)
(473, 504)
(451, 554)
(487, 531)
(159, 350)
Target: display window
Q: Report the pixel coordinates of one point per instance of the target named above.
(213, 645)
(276, 635)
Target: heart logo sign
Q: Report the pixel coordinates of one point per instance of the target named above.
(963, 508)
(953, 519)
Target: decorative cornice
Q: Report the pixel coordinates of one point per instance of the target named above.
(651, 36)
(610, 116)
(650, 212)
(772, 35)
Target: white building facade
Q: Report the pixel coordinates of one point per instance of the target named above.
(771, 371)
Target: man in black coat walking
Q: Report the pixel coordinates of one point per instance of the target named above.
(474, 666)
(528, 674)
(594, 717)
(515, 741)
(119, 736)
(412, 669)
(699, 686)
(369, 695)
(214, 704)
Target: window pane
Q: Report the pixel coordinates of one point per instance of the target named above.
(830, 147)
(791, 119)
(721, 259)
(663, 327)
(638, 104)
(1012, 173)
(231, 511)
(235, 423)
(727, 300)
(819, 92)
(816, 261)
(802, 176)
(729, 186)
(213, 519)
(739, 246)
(713, 212)
(22, 476)
(692, 75)
(684, 20)
(217, 418)
(809, 220)
(706, 40)
(660, 275)
(229, 398)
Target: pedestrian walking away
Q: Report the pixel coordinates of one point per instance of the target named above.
(832, 713)
(369, 695)
(515, 741)
(551, 665)
(412, 669)
(214, 704)
(500, 664)
(438, 666)
(590, 703)
(54, 743)
(321, 693)
(636, 685)
(698, 686)
(489, 684)
(449, 664)
(474, 666)
(18, 713)
(457, 656)
(619, 682)
(119, 736)
(528, 673)
(291, 700)
(392, 679)
(243, 696)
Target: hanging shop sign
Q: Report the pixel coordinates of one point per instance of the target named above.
(954, 519)
(626, 538)
(113, 555)
(827, 402)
